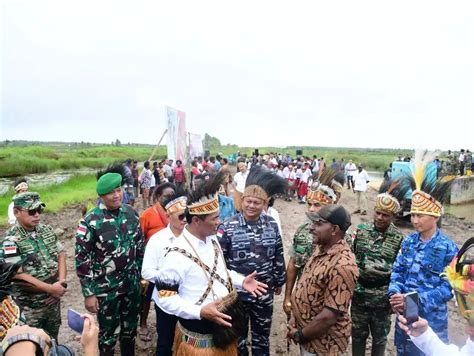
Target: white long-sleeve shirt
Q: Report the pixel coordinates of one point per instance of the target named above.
(431, 345)
(360, 181)
(154, 252)
(190, 277)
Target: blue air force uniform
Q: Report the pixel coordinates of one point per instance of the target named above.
(418, 267)
(255, 246)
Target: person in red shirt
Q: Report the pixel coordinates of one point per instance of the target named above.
(153, 220)
(179, 176)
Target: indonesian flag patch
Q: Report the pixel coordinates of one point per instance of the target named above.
(220, 233)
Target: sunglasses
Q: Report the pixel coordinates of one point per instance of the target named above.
(32, 212)
(181, 217)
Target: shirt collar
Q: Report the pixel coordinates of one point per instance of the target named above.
(194, 240)
(433, 238)
(335, 249)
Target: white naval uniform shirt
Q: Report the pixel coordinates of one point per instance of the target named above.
(191, 278)
(154, 252)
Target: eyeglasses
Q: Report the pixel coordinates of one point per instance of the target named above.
(181, 217)
(32, 212)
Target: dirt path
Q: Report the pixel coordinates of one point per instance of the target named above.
(291, 215)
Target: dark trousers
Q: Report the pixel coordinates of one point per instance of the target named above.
(165, 326)
(350, 182)
(122, 311)
(260, 315)
(404, 345)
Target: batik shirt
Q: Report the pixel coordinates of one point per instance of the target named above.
(253, 246)
(418, 267)
(109, 251)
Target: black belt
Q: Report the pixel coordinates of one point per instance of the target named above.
(197, 326)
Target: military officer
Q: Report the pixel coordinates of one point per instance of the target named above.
(41, 256)
(250, 242)
(375, 246)
(109, 255)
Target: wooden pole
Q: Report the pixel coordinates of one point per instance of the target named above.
(158, 145)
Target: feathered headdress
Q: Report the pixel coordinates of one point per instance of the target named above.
(204, 200)
(327, 189)
(460, 274)
(429, 193)
(391, 193)
(115, 168)
(263, 183)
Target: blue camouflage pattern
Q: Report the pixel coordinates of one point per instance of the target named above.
(418, 267)
(255, 246)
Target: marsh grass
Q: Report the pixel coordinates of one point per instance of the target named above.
(78, 189)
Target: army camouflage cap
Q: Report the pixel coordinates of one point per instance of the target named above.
(334, 214)
(28, 201)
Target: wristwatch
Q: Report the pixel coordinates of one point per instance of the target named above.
(298, 337)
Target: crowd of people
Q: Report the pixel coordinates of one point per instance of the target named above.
(208, 252)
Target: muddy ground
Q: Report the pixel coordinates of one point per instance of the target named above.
(291, 215)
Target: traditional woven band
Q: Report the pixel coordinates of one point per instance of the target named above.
(423, 203)
(205, 206)
(177, 205)
(322, 195)
(387, 203)
(197, 340)
(255, 191)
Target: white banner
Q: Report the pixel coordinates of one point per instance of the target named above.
(196, 148)
(176, 122)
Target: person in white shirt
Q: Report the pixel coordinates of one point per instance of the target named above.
(303, 186)
(361, 179)
(271, 211)
(20, 186)
(239, 183)
(460, 275)
(350, 170)
(195, 285)
(155, 251)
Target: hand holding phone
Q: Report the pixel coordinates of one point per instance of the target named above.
(75, 321)
(411, 309)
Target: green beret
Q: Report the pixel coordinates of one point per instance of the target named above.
(108, 182)
(27, 200)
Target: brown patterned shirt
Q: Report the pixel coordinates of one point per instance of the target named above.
(328, 280)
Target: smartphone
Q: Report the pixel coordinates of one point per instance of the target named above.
(75, 320)
(411, 310)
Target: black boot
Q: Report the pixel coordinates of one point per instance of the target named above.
(378, 349)
(358, 348)
(127, 347)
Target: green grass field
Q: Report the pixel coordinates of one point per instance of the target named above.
(21, 160)
(17, 160)
(79, 189)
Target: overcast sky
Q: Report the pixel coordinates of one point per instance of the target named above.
(254, 73)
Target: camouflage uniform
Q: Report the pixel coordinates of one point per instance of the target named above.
(255, 246)
(375, 254)
(37, 252)
(109, 255)
(302, 247)
(418, 267)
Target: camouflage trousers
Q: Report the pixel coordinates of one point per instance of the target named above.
(260, 315)
(47, 318)
(365, 320)
(118, 313)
